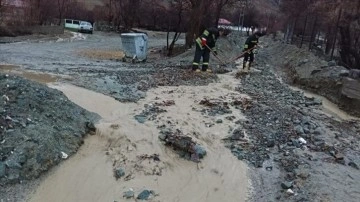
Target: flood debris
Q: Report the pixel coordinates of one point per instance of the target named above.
(184, 145)
(165, 103)
(154, 157)
(150, 113)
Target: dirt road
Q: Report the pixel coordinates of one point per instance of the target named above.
(297, 147)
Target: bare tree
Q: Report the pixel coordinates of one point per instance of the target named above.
(197, 13)
(179, 7)
(218, 7)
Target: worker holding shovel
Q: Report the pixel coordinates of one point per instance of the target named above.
(249, 47)
(204, 45)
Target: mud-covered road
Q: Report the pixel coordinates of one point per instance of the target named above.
(298, 147)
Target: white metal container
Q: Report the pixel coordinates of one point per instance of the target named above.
(135, 45)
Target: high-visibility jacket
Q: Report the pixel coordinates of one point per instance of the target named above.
(251, 41)
(210, 35)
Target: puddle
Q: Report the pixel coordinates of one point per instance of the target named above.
(34, 76)
(328, 107)
(88, 175)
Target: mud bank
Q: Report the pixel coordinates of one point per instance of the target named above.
(307, 71)
(39, 128)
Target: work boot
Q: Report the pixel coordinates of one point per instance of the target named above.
(244, 64)
(204, 68)
(195, 67)
(250, 63)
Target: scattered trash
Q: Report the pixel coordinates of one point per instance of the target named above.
(64, 155)
(302, 140)
(289, 191)
(6, 98)
(269, 168)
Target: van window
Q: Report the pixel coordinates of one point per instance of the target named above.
(68, 21)
(76, 22)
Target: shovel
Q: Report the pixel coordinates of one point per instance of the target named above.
(222, 63)
(243, 53)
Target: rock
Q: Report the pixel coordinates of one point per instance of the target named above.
(296, 143)
(129, 194)
(351, 88)
(306, 130)
(144, 195)
(219, 121)
(317, 101)
(303, 62)
(332, 63)
(270, 143)
(287, 185)
(319, 131)
(237, 134)
(296, 121)
(140, 118)
(305, 119)
(352, 164)
(120, 172)
(315, 71)
(354, 73)
(302, 173)
(90, 126)
(299, 130)
(162, 137)
(200, 151)
(344, 73)
(2, 169)
(339, 156)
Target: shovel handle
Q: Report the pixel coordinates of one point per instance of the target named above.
(215, 54)
(243, 53)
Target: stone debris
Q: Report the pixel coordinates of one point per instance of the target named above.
(183, 144)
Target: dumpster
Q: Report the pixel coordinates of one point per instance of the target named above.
(135, 45)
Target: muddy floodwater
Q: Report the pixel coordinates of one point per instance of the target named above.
(88, 176)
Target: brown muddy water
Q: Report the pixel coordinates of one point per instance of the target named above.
(88, 175)
(328, 107)
(31, 75)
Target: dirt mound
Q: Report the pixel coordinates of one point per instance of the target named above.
(39, 127)
(312, 73)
